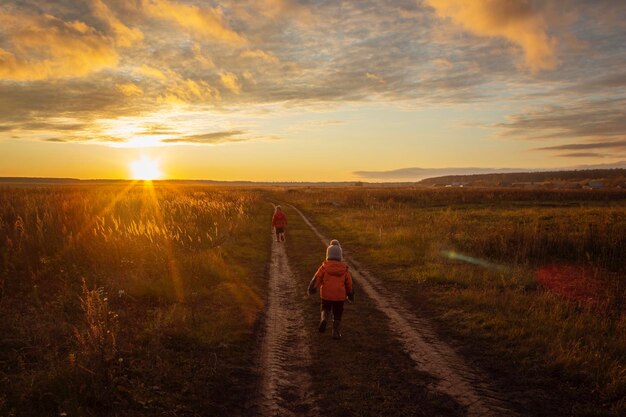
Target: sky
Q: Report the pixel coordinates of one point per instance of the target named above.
(310, 90)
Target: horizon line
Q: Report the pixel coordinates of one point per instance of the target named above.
(363, 181)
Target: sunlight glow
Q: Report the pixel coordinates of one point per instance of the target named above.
(145, 169)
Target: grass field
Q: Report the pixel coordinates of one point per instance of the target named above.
(530, 284)
(129, 299)
(140, 299)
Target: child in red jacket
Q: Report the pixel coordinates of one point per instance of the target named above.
(279, 221)
(335, 283)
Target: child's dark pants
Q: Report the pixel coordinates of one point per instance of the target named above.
(336, 306)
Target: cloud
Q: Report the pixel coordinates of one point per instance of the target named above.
(201, 57)
(204, 22)
(589, 149)
(188, 91)
(151, 72)
(97, 139)
(589, 119)
(604, 82)
(582, 155)
(80, 100)
(374, 77)
(620, 144)
(157, 129)
(94, 61)
(45, 124)
(522, 22)
(597, 126)
(43, 47)
(209, 138)
(124, 36)
(130, 89)
(260, 54)
(231, 82)
(52, 125)
(291, 10)
(442, 63)
(368, 52)
(173, 88)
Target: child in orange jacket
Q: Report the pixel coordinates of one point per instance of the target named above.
(279, 221)
(335, 283)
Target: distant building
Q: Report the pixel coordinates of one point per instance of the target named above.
(595, 184)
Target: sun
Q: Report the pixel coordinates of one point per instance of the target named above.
(146, 169)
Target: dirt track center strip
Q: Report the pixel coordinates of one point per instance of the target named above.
(285, 387)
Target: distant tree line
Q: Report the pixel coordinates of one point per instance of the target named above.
(529, 177)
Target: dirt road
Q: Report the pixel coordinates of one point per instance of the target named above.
(430, 354)
(285, 388)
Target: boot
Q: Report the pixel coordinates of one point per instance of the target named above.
(336, 329)
(323, 321)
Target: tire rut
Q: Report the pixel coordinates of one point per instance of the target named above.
(469, 387)
(285, 383)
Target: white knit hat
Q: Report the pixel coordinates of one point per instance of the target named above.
(333, 252)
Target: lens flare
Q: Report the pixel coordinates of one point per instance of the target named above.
(470, 259)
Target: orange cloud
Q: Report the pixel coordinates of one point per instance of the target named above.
(151, 72)
(206, 22)
(130, 89)
(516, 20)
(231, 82)
(43, 47)
(178, 89)
(184, 91)
(260, 54)
(124, 36)
(206, 61)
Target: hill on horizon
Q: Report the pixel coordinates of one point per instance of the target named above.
(521, 178)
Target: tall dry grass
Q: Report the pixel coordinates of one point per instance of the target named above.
(128, 297)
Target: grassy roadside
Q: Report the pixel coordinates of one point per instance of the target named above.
(130, 301)
(366, 373)
(559, 357)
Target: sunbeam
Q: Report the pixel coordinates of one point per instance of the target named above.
(171, 258)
